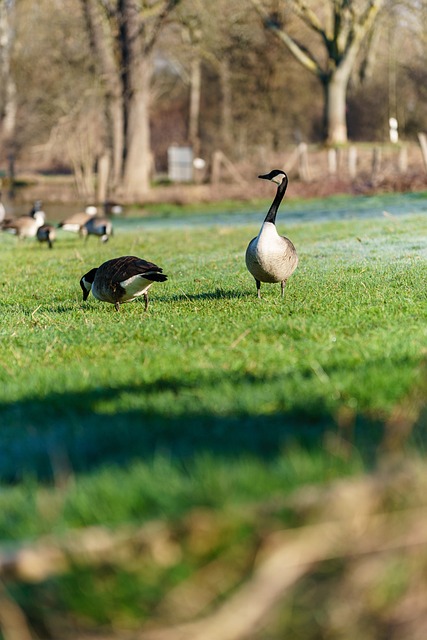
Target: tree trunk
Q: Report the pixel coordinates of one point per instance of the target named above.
(136, 77)
(350, 25)
(123, 41)
(138, 161)
(8, 104)
(335, 87)
(195, 92)
(226, 108)
(102, 44)
(116, 120)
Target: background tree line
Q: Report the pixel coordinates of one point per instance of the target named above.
(85, 82)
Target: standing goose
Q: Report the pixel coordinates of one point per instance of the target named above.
(271, 257)
(25, 226)
(121, 280)
(9, 222)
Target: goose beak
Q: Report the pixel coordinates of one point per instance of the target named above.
(274, 176)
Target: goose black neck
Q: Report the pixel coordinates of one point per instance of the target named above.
(272, 212)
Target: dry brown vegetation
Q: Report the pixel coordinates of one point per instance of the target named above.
(379, 168)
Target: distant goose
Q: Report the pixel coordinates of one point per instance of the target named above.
(77, 220)
(121, 280)
(2, 210)
(46, 233)
(25, 226)
(271, 257)
(36, 208)
(112, 208)
(97, 226)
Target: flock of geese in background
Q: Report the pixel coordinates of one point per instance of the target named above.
(270, 258)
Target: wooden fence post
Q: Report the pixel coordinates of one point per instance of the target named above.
(423, 144)
(218, 159)
(304, 171)
(376, 163)
(402, 160)
(103, 176)
(216, 167)
(352, 162)
(332, 162)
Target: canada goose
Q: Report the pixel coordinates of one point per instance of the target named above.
(270, 257)
(46, 233)
(97, 226)
(2, 210)
(121, 280)
(25, 226)
(77, 220)
(36, 208)
(112, 208)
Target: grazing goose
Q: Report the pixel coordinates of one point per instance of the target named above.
(46, 233)
(25, 226)
(270, 257)
(97, 226)
(121, 280)
(77, 220)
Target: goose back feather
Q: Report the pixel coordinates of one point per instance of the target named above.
(75, 221)
(121, 280)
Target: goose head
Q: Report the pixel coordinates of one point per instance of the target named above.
(37, 206)
(277, 176)
(86, 282)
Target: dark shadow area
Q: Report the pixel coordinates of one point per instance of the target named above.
(41, 437)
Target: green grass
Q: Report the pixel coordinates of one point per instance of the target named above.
(211, 386)
(213, 399)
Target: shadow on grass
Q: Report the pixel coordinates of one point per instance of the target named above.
(218, 294)
(83, 430)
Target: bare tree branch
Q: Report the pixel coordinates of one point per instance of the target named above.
(163, 10)
(302, 55)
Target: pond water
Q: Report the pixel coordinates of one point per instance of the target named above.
(291, 212)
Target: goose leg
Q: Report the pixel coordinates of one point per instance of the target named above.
(283, 285)
(146, 301)
(117, 306)
(258, 288)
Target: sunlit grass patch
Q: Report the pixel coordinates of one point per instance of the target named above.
(209, 372)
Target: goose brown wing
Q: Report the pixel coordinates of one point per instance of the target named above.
(128, 266)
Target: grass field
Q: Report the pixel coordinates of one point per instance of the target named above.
(213, 398)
